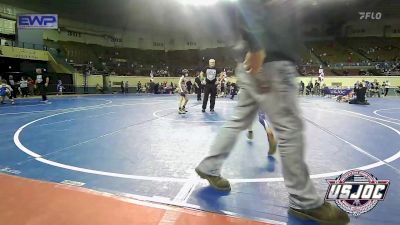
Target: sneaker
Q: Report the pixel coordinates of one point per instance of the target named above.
(184, 109)
(12, 102)
(250, 135)
(216, 182)
(211, 110)
(272, 143)
(203, 110)
(181, 111)
(326, 214)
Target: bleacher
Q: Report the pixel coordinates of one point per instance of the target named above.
(129, 61)
(374, 48)
(332, 52)
(348, 72)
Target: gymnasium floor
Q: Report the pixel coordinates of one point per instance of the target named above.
(138, 147)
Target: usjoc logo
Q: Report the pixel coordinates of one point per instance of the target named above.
(37, 21)
(356, 191)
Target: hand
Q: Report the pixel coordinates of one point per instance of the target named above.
(253, 61)
(46, 84)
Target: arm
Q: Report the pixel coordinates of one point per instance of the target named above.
(221, 76)
(9, 88)
(47, 82)
(201, 76)
(180, 84)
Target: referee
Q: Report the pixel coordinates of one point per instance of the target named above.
(210, 86)
(42, 83)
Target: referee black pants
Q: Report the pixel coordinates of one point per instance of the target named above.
(14, 92)
(43, 91)
(209, 89)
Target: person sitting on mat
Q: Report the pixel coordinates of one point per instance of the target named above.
(360, 93)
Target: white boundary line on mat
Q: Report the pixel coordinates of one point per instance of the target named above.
(390, 118)
(184, 180)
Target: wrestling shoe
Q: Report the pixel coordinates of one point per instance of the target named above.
(326, 214)
(180, 111)
(216, 182)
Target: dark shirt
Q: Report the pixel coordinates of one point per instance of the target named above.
(42, 80)
(273, 26)
(197, 81)
(360, 92)
(211, 74)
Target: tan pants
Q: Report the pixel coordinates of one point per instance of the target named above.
(273, 91)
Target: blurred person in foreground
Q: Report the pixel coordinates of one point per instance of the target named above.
(270, 30)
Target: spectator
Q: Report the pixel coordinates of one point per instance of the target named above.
(386, 86)
(301, 88)
(99, 88)
(60, 87)
(356, 85)
(139, 87)
(360, 93)
(309, 88)
(233, 90)
(126, 87)
(189, 86)
(316, 87)
(13, 85)
(122, 87)
(23, 84)
(324, 89)
(110, 87)
(375, 89)
(156, 88)
(197, 83)
(31, 86)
